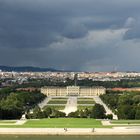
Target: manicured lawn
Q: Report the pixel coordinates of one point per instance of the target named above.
(61, 107)
(60, 98)
(85, 102)
(125, 121)
(61, 123)
(64, 122)
(84, 107)
(57, 102)
(84, 98)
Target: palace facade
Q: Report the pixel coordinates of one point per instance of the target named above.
(72, 91)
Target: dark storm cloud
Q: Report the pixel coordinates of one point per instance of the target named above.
(57, 32)
(38, 23)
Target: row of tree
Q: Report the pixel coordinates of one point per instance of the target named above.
(4, 92)
(17, 103)
(125, 83)
(125, 105)
(97, 112)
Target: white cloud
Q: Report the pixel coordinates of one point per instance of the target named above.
(130, 22)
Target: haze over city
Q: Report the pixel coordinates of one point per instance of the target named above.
(80, 35)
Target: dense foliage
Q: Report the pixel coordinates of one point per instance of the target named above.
(17, 103)
(4, 92)
(47, 112)
(124, 83)
(126, 105)
(97, 112)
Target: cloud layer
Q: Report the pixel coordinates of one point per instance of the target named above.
(91, 35)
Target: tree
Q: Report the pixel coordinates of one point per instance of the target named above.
(47, 111)
(136, 99)
(126, 112)
(125, 99)
(58, 114)
(11, 108)
(109, 116)
(137, 115)
(98, 112)
(37, 113)
(74, 114)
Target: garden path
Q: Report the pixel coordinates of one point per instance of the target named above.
(108, 111)
(71, 105)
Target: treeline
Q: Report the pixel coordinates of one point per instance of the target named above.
(124, 83)
(46, 112)
(17, 103)
(97, 112)
(126, 105)
(4, 92)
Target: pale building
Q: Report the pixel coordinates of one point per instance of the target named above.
(72, 91)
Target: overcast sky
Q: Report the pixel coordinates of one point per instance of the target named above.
(85, 35)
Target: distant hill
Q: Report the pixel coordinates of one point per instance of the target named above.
(27, 69)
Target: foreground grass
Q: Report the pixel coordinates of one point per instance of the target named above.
(61, 123)
(7, 121)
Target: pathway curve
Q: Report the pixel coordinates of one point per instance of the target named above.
(107, 122)
(17, 122)
(44, 102)
(108, 111)
(71, 105)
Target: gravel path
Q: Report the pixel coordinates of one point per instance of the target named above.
(72, 131)
(71, 105)
(44, 102)
(108, 111)
(107, 122)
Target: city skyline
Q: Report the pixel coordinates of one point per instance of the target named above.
(79, 35)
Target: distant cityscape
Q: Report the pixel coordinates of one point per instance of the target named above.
(21, 77)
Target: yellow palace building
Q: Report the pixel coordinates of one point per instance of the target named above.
(72, 91)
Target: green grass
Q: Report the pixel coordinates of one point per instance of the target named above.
(84, 98)
(85, 102)
(60, 123)
(7, 121)
(57, 102)
(125, 121)
(60, 98)
(84, 107)
(57, 107)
